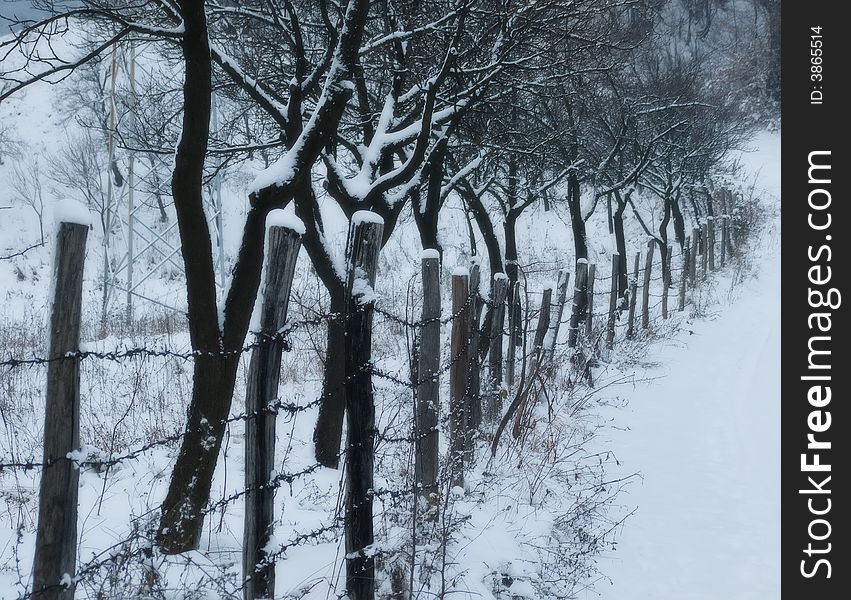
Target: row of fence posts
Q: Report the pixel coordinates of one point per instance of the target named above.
(55, 551)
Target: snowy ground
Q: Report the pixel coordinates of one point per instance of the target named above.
(705, 436)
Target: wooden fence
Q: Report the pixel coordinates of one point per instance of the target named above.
(477, 322)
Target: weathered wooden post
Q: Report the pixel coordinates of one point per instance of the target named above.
(725, 240)
(459, 357)
(555, 321)
(543, 324)
(56, 536)
(704, 244)
(633, 297)
(363, 247)
(710, 239)
(685, 273)
(580, 301)
(494, 398)
(513, 327)
(648, 268)
(695, 250)
(589, 317)
(613, 301)
(666, 282)
(473, 400)
(264, 372)
(731, 211)
(537, 356)
(428, 388)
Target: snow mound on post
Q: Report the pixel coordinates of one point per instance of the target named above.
(69, 210)
(583, 261)
(281, 218)
(430, 253)
(500, 276)
(461, 272)
(367, 216)
(549, 284)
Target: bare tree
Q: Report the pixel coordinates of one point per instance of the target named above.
(27, 187)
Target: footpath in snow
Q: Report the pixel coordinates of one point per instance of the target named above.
(705, 437)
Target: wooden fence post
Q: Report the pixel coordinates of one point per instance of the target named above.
(613, 301)
(580, 301)
(704, 245)
(264, 372)
(731, 211)
(428, 389)
(543, 324)
(494, 397)
(648, 268)
(710, 224)
(555, 321)
(473, 401)
(666, 282)
(589, 317)
(513, 313)
(56, 536)
(362, 251)
(685, 273)
(633, 297)
(537, 356)
(695, 249)
(459, 357)
(725, 239)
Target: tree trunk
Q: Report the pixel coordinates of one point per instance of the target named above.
(213, 375)
(328, 434)
(577, 223)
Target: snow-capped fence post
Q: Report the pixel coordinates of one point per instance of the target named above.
(589, 316)
(648, 268)
(473, 401)
(56, 536)
(710, 239)
(724, 239)
(704, 246)
(493, 406)
(459, 357)
(633, 296)
(580, 301)
(428, 389)
(555, 321)
(513, 314)
(264, 372)
(364, 245)
(695, 248)
(666, 282)
(685, 273)
(613, 301)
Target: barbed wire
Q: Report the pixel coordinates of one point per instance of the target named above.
(262, 339)
(282, 337)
